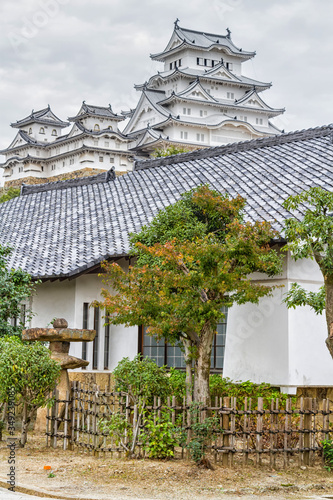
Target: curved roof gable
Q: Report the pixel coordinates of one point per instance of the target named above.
(183, 37)
(44, 117)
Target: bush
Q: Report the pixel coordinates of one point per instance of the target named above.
(28, 371)
(160, 437)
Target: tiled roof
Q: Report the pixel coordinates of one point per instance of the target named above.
(43, 116)
(91, 110)
(59, 230)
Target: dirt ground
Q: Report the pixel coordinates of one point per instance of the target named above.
(80, 475)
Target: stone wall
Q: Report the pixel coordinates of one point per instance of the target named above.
(85, 172)
(102, 379)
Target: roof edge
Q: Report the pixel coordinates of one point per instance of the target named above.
(298, 135)
(81, 181)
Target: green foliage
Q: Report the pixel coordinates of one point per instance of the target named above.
(203, 431)
(297, 296)
(160, 436)
(29, 370)
(15, 287)
(177, 384)
(327, 445)
(141, 378)
(311, 237)
(9, 194)
(169, 151)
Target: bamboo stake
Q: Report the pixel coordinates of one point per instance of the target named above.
(225, 426)
(259, 432)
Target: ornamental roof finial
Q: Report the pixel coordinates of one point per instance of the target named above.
(229, 33)
(176, 23)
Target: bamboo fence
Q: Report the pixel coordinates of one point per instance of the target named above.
(248, 429)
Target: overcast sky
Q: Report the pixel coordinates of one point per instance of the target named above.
(60, 52)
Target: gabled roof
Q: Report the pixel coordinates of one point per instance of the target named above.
(63, 229)
(182, 38)
(253, 99)
(242, 81)
(95, 111)
(44, 117)
(148, 98)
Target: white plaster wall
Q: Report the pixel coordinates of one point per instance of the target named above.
(53, 300)
(310, 361)
(257, 341)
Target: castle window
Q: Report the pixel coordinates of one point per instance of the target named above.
(54, 132)
(170, 66)
(53, 167)
(183, 135)
(111, 159)
(101, 159)
(71, 161)
(20, 169)
(30, 131)
(259, 121)
(63, 163)
(200, 137)
(230, 95)
(229, 66)
(179, 62)
(41, 130)
(42, 169)
(96, 127)
(106, 144)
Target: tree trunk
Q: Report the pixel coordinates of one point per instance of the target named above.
(25, 424)
(188, 379)
(329, 312)
(202, 365)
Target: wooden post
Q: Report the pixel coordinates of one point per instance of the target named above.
(225, 426)
(66, 421)
(287, 440)
(307, 427)
(245, 433)
(259, 431)
(55, 428)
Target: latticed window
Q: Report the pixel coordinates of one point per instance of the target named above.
(172, 356)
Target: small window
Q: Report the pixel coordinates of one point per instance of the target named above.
(200, 137)
(96, 127)
(183, 135)
(230, 95)
(20, 169)
(30, 131)
(42, 169)
(41, 130)
(259, 121)
(101, 159)
(53, 167)
(54, 132)
(111, 159)
(71, 161)
(106, 144)
(63, 163)
(179, 62)
(229, 66)
(170, 66)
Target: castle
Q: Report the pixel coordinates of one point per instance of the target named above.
(200, 99)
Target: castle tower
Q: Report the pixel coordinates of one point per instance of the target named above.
(201, 97)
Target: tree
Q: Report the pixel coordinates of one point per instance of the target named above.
(312, 237)
(9, 194)
(27, 370)
(169, 151)
(193, 259)
(15, 287)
